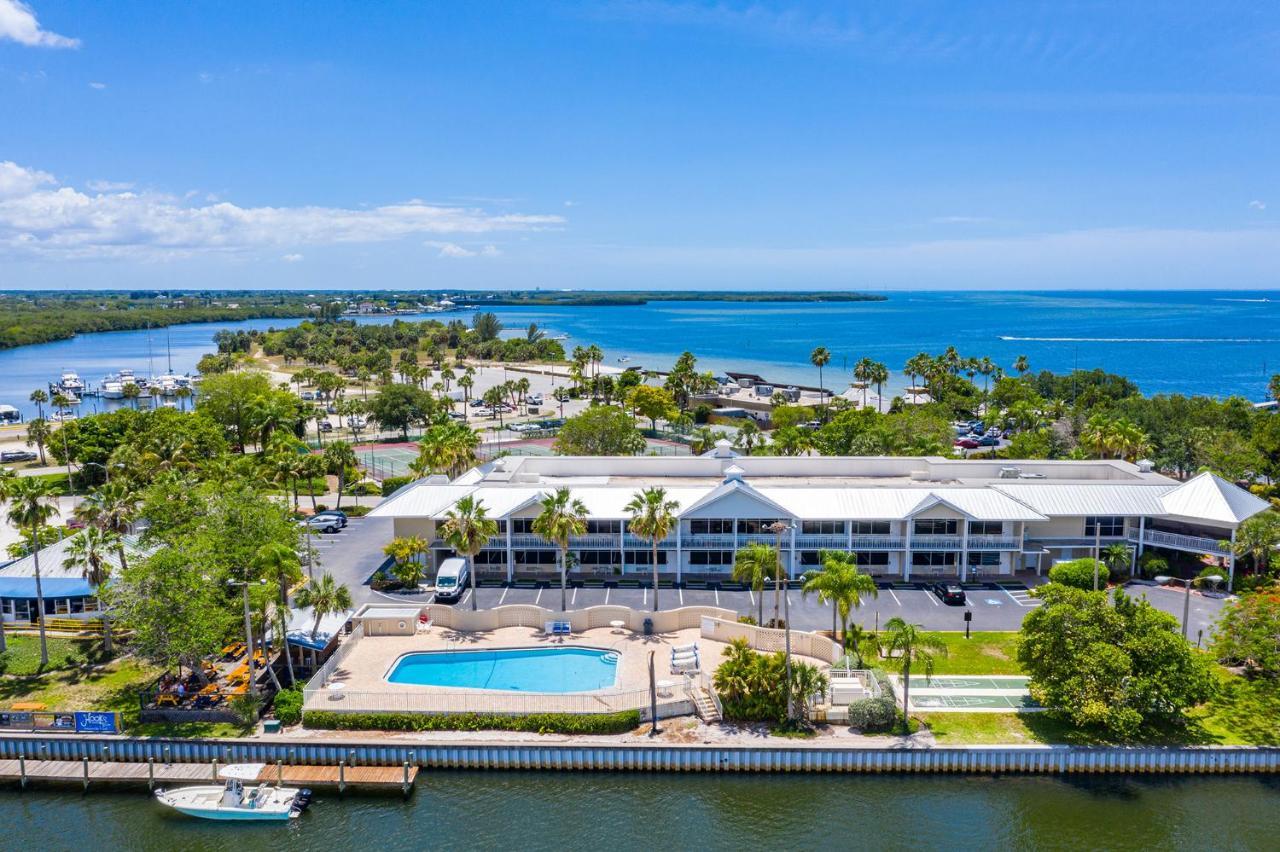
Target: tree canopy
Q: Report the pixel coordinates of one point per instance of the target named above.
(602, 430)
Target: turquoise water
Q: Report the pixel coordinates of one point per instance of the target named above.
(645, 811)
(516, 669)
(1208, 342)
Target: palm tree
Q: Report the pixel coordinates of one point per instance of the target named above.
(862, 375)
(39, 397)
(819, 358)
(339, 459)
(112, 507)
(911, 646)
(752, 564)
(748, 435)
(562, 517)
(183, 393)
(861, 642)
(405, 550)
(88, 552)
(38, 433)
(1116, 557)
(879, 374)
(278, 563)
(324, 597)
(917, 365)
(131, 392)
(1021, 365)
(32, 503)
(652, 517)
(467, 529)
(1256, 538)
(841, 584)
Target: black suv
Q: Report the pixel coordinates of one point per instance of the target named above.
(949, 593)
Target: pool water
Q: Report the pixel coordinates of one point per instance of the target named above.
(511, 669)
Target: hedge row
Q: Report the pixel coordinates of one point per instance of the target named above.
(541, 723)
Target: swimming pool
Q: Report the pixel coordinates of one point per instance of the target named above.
(511, 669)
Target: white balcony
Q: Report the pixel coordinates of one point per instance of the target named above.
(1177, 541)
(935, 542)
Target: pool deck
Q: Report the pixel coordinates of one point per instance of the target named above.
(365, 688)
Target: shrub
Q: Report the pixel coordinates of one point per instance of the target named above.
(356, 511)
(366, 489)
(288, 706)
(394, 483)
(1078, 573)
(1247, 633)
(541, 723)
(747, 619)
(873, 714)
(1151, 564)
(752, 686)
(246, 708)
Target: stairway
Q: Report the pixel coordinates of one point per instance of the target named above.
(705, 707)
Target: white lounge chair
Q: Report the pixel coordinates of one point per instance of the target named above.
(692, 647)
(687, 662)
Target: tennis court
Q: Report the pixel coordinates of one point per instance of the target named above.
(970, 694)
(386, 460)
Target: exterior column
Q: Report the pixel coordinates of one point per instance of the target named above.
(848, 528)
(622, 547)
(964, 549)
(1231, 563)
(1142, 534)
(511, 555)
(791, 563)
(679, 550)
(906, 553)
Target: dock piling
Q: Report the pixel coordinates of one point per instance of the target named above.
(151, 773)
(214, 764)
(406, 786)
(279, 773)
(85, 763)
(342, 776)
(22, 770)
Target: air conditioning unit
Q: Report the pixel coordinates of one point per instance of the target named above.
(1010, 473)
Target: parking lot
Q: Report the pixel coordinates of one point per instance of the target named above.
(356, 552)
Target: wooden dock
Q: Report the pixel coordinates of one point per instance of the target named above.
(87, 772)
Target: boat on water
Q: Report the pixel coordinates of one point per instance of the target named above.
(234, 801)
(70, 383)
(9, 414)
(62, 416)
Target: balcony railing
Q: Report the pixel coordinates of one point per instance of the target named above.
(1193, 543)
(761, 538)
(935, 542)
(604, 541)
(993, 542)
(814, 541)
(639, 542)
(726, 542)
(878, 542)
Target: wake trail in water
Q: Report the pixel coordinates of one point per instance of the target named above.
(1142, 339)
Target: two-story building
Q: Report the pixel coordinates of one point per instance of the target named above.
(905, 517)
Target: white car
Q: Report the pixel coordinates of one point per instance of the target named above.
(356, 422)
(534, 399)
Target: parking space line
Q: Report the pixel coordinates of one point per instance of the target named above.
(504, 595)
(538, 596)
(574, 599)
(644, 598)
(717, 591)
(933, 599)
(894, 596)
(464, 597)
(750, 593)
(681, 591)
(606, 594)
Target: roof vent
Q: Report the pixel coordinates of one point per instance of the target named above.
(919, 476)
(1010, 472)
(733, 472)
(500, 464)
(1146, 465)
(724, 450)
(437, 479)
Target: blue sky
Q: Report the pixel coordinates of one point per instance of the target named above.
(640, 143)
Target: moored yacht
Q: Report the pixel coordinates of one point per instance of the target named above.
(70, 383)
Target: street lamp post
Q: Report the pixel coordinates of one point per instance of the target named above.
(1186, 602)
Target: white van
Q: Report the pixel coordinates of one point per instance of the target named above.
(451, 579)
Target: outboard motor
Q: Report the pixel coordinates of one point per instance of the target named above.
(300, 801)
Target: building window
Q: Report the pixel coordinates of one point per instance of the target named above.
(711, 557)
(599, 557)
(522, 525)
(711, 526)
(535, 557)
(645, 557)
(756, 526)
(936, 526)
(811, 558)
(602, 527)
(984, 557)
(872, 559)
(924, 560)
(870, 527)
(822, 527)
(1104, 526)
(490, 557)
(986, 528)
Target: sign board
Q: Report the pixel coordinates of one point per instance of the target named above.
(17, 720)
(95, 723)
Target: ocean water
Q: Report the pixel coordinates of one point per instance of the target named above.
(1217, 343)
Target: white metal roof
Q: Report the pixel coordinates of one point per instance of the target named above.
(1212, 498)
(1094, 498)
(53, 560)
(421, 501)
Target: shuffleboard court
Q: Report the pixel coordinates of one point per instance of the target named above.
(969, 693)
(1018, 683)
(973, 702)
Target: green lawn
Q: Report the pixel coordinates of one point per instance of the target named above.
(23, 655)
(987, 653)
(1243, 712)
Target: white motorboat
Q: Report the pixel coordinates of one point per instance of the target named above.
(112, 388)
(69, 382)
(234, 801)
(166, 384)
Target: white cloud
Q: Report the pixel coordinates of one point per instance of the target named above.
(18, 23)
(108, 185)
(291, 258)
(455, 250)
(96, 85)
(40, 217)
(16, 181)
(1258, 205)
